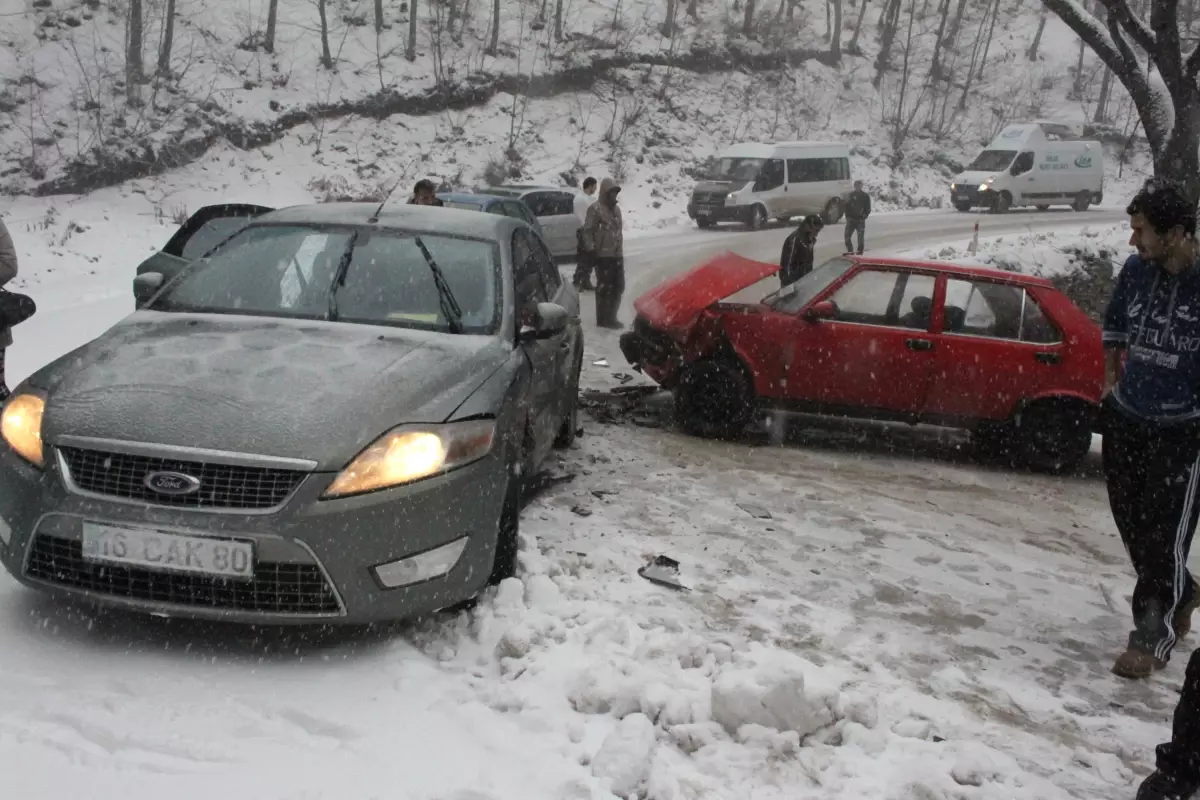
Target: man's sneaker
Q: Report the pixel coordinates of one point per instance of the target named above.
(1137, 664)
(1183, 617)
(1160, 787)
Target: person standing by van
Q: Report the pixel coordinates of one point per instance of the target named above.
(858, 208)
(796, 260)
(583, 259)
(603, 238)
(8, 271)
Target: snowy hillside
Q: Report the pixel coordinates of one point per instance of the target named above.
(620, 92)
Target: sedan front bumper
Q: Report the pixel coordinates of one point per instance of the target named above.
(314, 558)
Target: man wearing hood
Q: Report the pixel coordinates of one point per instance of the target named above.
(603, 238)
(796, 260)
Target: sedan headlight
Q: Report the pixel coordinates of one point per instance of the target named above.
(411, 453)
(21, 426)
(983, 187)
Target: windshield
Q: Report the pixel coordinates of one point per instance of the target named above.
(791, 299)
(738, 169)
(288, 271)
(992, 160)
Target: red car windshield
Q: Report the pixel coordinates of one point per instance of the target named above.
(791, 299)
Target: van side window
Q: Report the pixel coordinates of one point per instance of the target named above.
(1023, 164)
(845, 169)
(817, 170)
(771, 176)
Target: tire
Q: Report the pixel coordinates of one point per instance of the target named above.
(1083, 201)
(1053, 437)
(1003, 203)
(504, 564)
(832, 212)
(714, 400)
(1043, 207)
(569, 430)
(758, 218)
(963, 207)
(704, 222)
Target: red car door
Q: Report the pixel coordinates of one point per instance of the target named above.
(996, 346)
(875, 352)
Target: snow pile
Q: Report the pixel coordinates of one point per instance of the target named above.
(1048, 254)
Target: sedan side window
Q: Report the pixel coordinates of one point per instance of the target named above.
(980, 308)
(1036, 327)
(551, 278)
(527, 279)
(894, 299)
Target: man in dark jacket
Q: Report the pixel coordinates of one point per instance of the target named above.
(424, 194)
(604, 238)
(796, 260)
(1151, 420)
(858, 208)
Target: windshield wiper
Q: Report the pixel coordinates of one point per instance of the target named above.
(446, 299)
(339, 275)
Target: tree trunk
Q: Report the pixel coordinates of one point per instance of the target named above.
(956, 25)
(693, 9)
(133, 55)
(862, 17)
(410, 49)
(379, 16)
(987, 46)
(935, 65)
(558, 15)
(494, 45)
(668, 28)
(748, 20)
(1101, 114)
(835, 37)
(272, 20)
(828, 19)
(1037, 38)
(891, 19)
(326, 54)
(168, 39)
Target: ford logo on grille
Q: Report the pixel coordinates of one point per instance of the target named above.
(171, 483)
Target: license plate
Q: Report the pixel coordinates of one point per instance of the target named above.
(169, 552)
(704, 209)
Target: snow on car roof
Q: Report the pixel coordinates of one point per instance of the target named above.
(428, 219)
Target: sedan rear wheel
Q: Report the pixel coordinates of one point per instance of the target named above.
(570, 425)
(714, 400)
(1053, 437)
(504, 565)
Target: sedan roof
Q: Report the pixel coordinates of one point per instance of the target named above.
(426, 219)
(950, 268)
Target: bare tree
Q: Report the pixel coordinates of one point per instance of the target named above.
(835, 35)
(326, 55)
(410, 51)
(494, 45)
(1170, 113)
(748, 20)
(1032, 53)
(889, 21)
(558, 20)
(935, 64)
(272, 21)
(133, 54)
(168, 39)
(668, 27)
(987, 45)
(1102, 101)
(378, 15)
(852, 46)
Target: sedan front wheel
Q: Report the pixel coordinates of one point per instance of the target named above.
(714, 400)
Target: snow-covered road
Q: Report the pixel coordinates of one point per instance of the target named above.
(919, 627)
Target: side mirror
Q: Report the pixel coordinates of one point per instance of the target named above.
(551, 320)
(146, 286)
(822, 310)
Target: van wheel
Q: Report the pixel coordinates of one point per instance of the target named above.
(1083, 201)
(1053, 437)
(963, 207)
(758, 218)
(714, 400)
(832, 212)
(704, 222)
(1003, 203)
(1043, 207)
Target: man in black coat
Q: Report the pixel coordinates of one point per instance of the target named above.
(858, 208)
(1178, 762)
(796, 260)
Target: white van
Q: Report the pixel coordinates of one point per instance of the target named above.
(757, 181)
(1034, 164)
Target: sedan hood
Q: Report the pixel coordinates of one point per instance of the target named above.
(296, 389)
(673, 306)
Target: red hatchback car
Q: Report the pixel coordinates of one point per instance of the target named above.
(1004, 355)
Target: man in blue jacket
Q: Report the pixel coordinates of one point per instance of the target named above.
(1151, 420)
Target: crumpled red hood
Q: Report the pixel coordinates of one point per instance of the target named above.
(674, 305)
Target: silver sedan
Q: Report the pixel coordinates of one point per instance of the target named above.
(326, 417)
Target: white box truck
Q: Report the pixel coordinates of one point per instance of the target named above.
(757, 181)
(1032, 164)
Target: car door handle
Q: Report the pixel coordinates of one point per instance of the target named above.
(919, 344)
(1048, 358)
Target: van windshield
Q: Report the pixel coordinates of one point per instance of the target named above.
(738, 169)
(992, 160)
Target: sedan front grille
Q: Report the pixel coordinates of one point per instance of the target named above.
(222, 486)
(708, 198)
(275, 588)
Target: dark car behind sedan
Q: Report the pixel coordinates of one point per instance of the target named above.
(328, 417)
